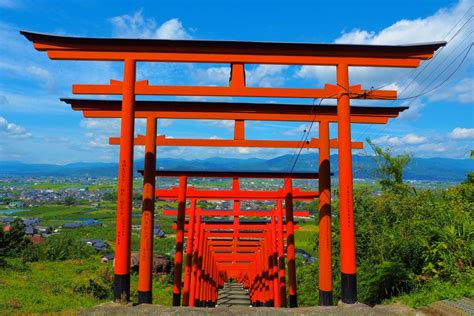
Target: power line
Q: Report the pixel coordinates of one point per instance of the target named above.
(426, 64)
(307, 133)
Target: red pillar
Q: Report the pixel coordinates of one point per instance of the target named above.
(347, 230)
(145, 274)
(290, 241)
(178, 257)
(202, 274)
(194, 277)
(197, 291)
(125, 186)
(325, 249)
(269, 268)
(259, 281)
(235, 188)
(276, 294)
(281, 255)
(189, 253)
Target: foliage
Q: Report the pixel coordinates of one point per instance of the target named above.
(436, 290)
(14, 241)
(63, 247)
(384, 281)
(414, 247)
(3, 249)
(110, 196)
(69, 200)
(390, 168)
(307, 283)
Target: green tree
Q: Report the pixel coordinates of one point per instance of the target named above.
(110, 196)
(14, 240)
(390, 168)
(470, 175)
(3, 248)
(69, 200)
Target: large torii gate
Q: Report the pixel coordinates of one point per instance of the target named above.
(239, 112)
(237, 54)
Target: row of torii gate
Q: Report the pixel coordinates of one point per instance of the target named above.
(250, 251)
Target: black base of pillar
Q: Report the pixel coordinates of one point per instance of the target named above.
(197, 303)
(348, 288)
(270, 303)
(325, 298)
(144, 297)
(122, 287)
(210, 304)
(176, 299)
(293, 301)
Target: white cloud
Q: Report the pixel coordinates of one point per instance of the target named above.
(414, 109)
(409, 139)
(461, 91)
(107, 125)
(139, 26)
(462, 133)
(427, 29)
(164, 123)
(227, 124)
(172, 29)
(450, 145)
(266, 75)
(432, 148)
(12, 130)
(431, 28)
(260, 76)
(299, 130)
(212, 75)
(46, 78)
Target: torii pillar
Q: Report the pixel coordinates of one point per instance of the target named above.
(178, 257)
(125, 186)
(145, 275)
(324, 247)
(346, 198)
(290, 241)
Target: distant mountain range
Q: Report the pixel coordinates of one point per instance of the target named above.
(431, 169)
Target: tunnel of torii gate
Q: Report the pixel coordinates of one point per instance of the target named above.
(236, 55)
(236, 226)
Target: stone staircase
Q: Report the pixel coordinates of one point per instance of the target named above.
(232, 294)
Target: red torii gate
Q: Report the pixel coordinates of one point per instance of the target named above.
(151, 110)
(237, 54)
(182, 192)
(255, 229)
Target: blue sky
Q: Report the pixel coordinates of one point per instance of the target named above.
(36, 127)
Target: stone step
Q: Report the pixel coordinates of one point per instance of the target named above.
(233, 295)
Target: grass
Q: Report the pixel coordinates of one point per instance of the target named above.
(64, 286)
(305, 237)
(437, 290)
(46, 286)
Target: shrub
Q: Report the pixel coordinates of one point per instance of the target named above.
(93, 288)
(62, 247)
(384, 281)
(14, 241)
